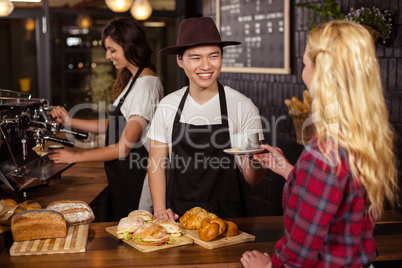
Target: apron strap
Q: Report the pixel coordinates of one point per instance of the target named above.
(222, 102)
(181, 105)
(137, 74)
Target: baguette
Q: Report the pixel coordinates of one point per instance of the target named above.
(297, 104)
(289, 104)
(306, 100)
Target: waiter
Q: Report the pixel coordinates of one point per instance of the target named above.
(192, 127)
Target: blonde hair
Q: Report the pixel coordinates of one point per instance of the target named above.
(347, 73)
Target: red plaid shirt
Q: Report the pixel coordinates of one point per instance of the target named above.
(326, 224)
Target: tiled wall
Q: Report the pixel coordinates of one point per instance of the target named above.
(269, 91)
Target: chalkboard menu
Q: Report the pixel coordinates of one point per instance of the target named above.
(262, 27)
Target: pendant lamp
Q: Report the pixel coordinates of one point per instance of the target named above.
(6, 7)
(119, 5)
(141, 10)
(84, 21)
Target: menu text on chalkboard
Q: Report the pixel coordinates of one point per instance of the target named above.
(262, 27)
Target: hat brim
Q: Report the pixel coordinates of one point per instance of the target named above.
(175, 50)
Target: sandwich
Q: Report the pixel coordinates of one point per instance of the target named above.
(146, 215)
(127, 227)
(173, 228)
(151, 234)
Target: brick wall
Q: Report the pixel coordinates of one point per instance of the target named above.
(269, 91)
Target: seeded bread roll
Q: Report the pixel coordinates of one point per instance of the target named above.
(38, 224)
(75, 212)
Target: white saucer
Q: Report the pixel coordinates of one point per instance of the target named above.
(244, 152)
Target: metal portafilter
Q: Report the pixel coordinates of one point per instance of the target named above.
(58, 140)
(82, 135)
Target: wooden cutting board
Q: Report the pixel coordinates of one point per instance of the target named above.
(75, 241)
(221, 241)
(179, 241)
(4, 228)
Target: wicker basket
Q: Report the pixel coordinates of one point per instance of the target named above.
(303, 135)
(374, 33)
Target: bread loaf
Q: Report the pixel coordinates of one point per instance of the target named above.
(75, 212)
(38, 224)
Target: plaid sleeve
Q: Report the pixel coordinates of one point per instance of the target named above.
(312, 196)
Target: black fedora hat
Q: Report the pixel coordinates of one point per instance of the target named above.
(197, 31)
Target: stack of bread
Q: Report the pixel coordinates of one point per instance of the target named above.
(51, 222)
(140, 226)
(9, 208)
(209, 225)
(300, 111)
(297, 106)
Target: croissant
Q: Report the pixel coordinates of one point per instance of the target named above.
(211, 229)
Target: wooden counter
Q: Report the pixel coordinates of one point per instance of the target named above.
(103, 249)
(82, 181)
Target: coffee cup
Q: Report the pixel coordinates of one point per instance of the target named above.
(245, 140)
(55, 146)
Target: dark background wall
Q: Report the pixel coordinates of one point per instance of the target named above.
(269, 91)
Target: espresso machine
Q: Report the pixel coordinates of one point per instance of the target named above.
(25, 125)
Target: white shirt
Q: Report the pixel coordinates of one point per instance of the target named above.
(243, 115)
(142, 100)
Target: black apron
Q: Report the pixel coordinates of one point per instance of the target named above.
(125, 179)
(201, 174)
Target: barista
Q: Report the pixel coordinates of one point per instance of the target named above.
(192, 127)
(136, 93)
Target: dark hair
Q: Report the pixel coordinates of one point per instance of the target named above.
(131, 37)
(181, 51)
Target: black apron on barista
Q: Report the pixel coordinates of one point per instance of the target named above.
(125, 179)
(201, 174)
